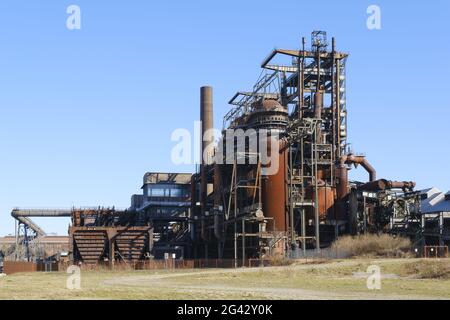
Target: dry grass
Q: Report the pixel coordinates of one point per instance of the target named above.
(373, 246)
(430, 269)
(280, 261)
(332, 280)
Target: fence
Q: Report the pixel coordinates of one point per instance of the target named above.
(10, 267)
(310, 256)
(435, 252)
(169, 264)
(162, 264)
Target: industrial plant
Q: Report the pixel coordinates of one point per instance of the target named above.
(275, 182)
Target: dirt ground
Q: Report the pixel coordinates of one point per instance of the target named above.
(345, 279)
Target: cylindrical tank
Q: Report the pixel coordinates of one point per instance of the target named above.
(318, 105)
(206, 117)
(274, 193)
(326, 196)
(342, 191)
(218, 214)
(217, 184)
(342, 187)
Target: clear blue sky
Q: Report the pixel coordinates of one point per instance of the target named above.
(85, 113)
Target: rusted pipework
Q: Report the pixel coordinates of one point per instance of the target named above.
(318, 105)
(320, 183)
(218, 233)
(359, 160)
(217, 230)
(342, 189)
(318, 108)
(193, 203)
(382, 184)
(206, 117)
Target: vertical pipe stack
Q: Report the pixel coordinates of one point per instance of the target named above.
(207, 139)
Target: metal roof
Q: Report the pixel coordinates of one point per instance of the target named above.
(165, 177)
(436, 201)
(430, 192)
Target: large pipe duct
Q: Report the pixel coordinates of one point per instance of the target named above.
(318, 105)
(318, 108)
(359, 160)
(30, 224)
(342, 187)
(41, 213)
(207, 139)
(22, 216)
(193, 204)
(207, 119)
(380, 185)
(218, 214)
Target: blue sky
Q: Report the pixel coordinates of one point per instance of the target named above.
(85, 113)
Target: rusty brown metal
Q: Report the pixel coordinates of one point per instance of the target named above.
(383, 184)
(217, 200)
(91, 244)
(206, 117)
(359, 160)
(217, 185)
(11, 267)
(318, 105)
(342, 186)
(326, 200)
(274, 193)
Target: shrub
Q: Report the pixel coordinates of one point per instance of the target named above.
(372, 245)
(280, 261)
(429, 269)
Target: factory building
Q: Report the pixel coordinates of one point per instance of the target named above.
(156, 225)
(275, 182)
(165, 204)
(435, 209)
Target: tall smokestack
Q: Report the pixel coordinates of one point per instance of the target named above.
(206, 117)
(207, 138)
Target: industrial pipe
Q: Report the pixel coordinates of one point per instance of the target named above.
(359, 160)
(192, 212)
(218, 214)
(22, 215)
(30, 224)
(207, 138)
(318, 105)
(342, 189)
(383, 184)
(207, 119)
(318, 108)
(41, 213)
(217, 223)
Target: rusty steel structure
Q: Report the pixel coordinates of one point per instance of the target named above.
(155, 226)
(309, 201)
(104, 235)
(275, 182)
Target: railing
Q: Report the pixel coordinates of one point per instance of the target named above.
(169, 264)
(10, 267)
(435, 252)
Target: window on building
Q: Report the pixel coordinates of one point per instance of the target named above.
(157, 192)
(177, 192)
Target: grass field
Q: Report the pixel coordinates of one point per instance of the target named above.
(345, 279)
